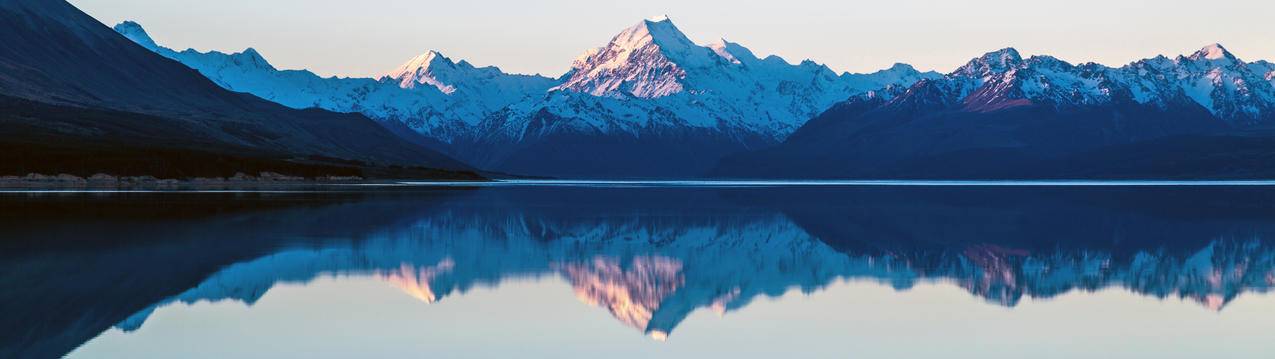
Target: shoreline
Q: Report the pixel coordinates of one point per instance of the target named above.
(105, 181)
(271, 180)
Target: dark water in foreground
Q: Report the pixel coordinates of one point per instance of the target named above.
(641, 271)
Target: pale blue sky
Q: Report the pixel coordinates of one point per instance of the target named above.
(368, 37)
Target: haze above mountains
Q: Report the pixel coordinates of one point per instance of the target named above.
(651, 103)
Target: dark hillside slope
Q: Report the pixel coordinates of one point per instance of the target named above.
(73, 83)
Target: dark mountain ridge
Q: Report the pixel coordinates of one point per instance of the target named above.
(71, 88)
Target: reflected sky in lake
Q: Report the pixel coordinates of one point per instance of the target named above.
(625, 271)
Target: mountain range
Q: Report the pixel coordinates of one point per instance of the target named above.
(1204, 115)
(78, 98)
(650, 103)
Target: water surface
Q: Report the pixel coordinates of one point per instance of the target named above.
(626, 269)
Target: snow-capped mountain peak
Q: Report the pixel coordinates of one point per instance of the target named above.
(899, 66)
(662, 28)
(482, 89)
(647, 60)
(1233, 90)
(1213, 52)
(431, 94)
(994, 62)
(660, 32)
(420, 70)
(250, 57)
(1236, 91)
(134, 31)
(898, 71)
(729, 50)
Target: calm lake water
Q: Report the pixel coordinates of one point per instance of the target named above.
(640, 270)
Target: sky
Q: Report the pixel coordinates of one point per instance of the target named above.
(370, 37)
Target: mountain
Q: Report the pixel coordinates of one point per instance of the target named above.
(493, 87)
(79, 98)
(430, 94)
(1207, 114)
(653, 103)
(649, 103)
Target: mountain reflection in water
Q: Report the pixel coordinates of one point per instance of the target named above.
(648, 256)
